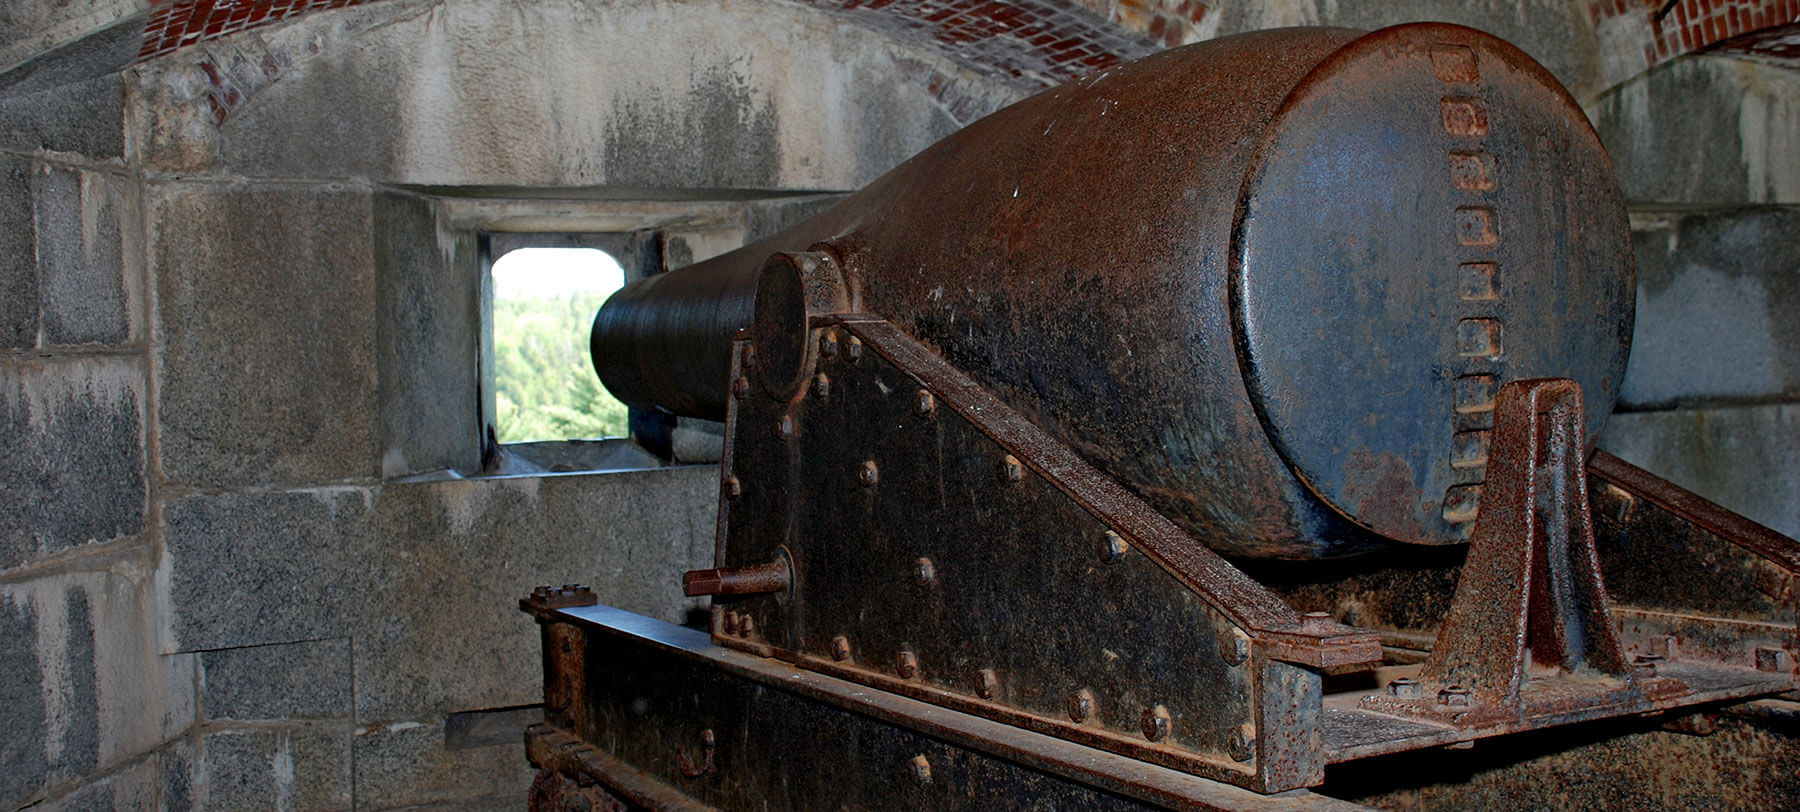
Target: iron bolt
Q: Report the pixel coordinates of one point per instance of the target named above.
(1645, 664)
(1405, 688)
(746, 625)
(749, 356)
(731, 622)
(785, 427)
(828, 344)
(821, 386)
(1317, 621)
(853, 349)
(908, 665)
(869, 474)
(1013, 470)
(740, 387)
(921, 769)
(1081, 705)
(1155, 723)
(1454, 696)
(1115, 547)
(989, 683)
(840, 648)
(924, 403)
(1235, 649)
(924, 572)
(1243, 743)
(1771, 659)
(733, 487)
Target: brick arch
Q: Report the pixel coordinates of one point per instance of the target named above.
(1636, 35)
(1038, 43)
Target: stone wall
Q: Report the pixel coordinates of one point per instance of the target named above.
(245, 558)
(1708, 152)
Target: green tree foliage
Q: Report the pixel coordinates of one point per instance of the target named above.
(544, 385)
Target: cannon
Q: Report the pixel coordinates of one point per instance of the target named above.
(1185, 436)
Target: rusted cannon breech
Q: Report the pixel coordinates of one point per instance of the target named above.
(1271, 282)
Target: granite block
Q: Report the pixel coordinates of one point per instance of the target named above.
(1718, 292)
(429, 337)
(250, 569)
(18, 257)
(82, 219)
(266, 321)
(74, 471)
(304, 680)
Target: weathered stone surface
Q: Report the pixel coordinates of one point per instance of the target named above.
(443, 632)
(250, 569)
(1746, 459)
(29, 29)
(22, 713)
(84, 688)
(266, 319)
(484, 92)
(130, 788)
(404, 764)
(306, 680)
(85, 117)
(175, 775)
(428, 333)
(299, 767)
(18, 257)
(1705, 130)
(88, 291)
(1717, 295)
(74, 469)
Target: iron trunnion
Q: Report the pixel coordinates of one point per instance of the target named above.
(1164, 440)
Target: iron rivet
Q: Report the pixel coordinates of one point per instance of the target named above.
(821, 386)
(733, 487)
(1115, 547)
(908, 665)
(869, 474)
(731, 622)
(924, 571)
(1771, 659)
(840, 648)
(1235, 649)
(1243, 743)
(1155, 723)
(749, 356)
(785, 427)
(1081, 705)
(1012, 469)
(740, 387)
(707, 738)
(828, 344)
(1405, 688)
(921, 769)
(1454, 696)
(853, 349)
(924, 403)
(989, 683)
(1317, 620)
(746, 626)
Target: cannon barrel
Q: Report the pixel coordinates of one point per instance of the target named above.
(1270, 282)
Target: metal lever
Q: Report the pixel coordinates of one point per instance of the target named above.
(727, 581)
